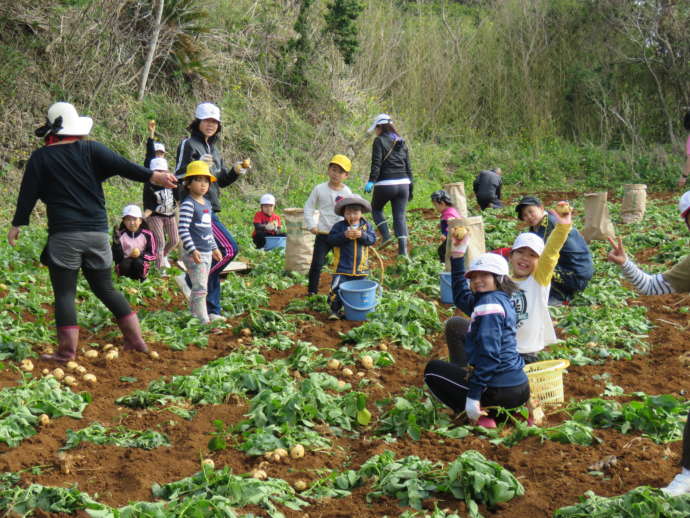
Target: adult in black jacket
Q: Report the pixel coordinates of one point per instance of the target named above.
(201, 145)
(390, 179)
(66, 175)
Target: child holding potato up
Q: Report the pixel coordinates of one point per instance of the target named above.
(134, 246)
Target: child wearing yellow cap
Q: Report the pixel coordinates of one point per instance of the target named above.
(323, 198)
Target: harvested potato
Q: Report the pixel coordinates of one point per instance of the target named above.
(44, 419)
(107, 347)
(367, 362)
(591, 344)
(91, 354)
(347, 372)
(58, 373)
(80, 369)
(563, 208)
(459, 232)
(360, 374)
(341, 384)
(246, 163)
(27, 365)
(70, 366)
(45, 372)
(154, 355)
(297, 451)
(383, 347)
(245, 331)
(333, 364)
(259, 474)
(282, 452)
(70, 380)
(208, 463)
(300, 485)
(90, 379)
(111, 355)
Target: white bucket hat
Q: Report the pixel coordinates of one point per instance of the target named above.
(207, 111)
(72, 124)
(531, 241)
(381, 118)
(267, 199)
(132, 210)
(684, 204)
(158, 146)
(158, 164)
(489, 262)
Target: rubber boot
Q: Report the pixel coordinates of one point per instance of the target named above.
(131, 332)
(386, 238)
(486, 422)
(68, 339)
(456, 354)
(402, 246)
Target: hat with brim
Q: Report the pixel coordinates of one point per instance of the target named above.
(381, 118)
(529, 240)
(198, 168)
(207, 111)
(527, 201)
(133, 211)
(65, 120)
(490, 263)
(351, 200)
(684, 205)
(159, 146)
(158, 164)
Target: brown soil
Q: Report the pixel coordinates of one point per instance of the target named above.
(554, 475)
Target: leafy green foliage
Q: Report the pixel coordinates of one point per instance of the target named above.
(263, 322)
(641, 502)
(177, 330)
(18, 501)
(20, 407)
(341, 17)
(119, 436)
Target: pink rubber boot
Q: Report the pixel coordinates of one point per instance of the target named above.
(131, 332)
(68, 339)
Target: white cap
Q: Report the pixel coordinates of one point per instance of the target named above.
(531, 241)
(489, 262)
(684, 204)
(267, 199)
(207, 111)
(158, 146)
(132, 210)
(381, 118)
(158, 164)
(72, 123)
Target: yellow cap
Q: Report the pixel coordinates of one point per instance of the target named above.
(199, 168)
(342, 161)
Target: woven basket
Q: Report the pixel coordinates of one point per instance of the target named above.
(546, 380)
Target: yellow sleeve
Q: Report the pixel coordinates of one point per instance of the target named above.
(547, 262)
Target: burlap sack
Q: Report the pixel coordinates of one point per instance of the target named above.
(299, 245)
(457, 195)
(598, 226)
(477, 246)
(634, 202)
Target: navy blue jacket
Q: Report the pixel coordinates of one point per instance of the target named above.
(490, 345)
(575, 255)
(351, 255)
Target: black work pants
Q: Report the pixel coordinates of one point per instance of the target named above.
(398, 196)
(318, 259)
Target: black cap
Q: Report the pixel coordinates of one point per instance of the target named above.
(441, 196)
(526, 202)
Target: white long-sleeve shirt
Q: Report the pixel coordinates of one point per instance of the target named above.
(323, 198)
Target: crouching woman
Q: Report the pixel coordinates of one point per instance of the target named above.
(485, 369)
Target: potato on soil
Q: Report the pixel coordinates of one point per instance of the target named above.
(208, 463)
(111, 355)
(154, 355)
(27, 365)
(333, 364)
(347, 372)
(383, 347)
(282, 452)
(259, 474)
(45, 372)
(107, 347)
(91, 354)
(360, 374)
(300, 485)
(44, 419)
(297, 451)
(245, 332)
(341, 384)
(70, 366)
(58, 373)
(367, 362)
(70, 380)
(81, 369)
(90, 379)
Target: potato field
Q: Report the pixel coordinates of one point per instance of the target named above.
(281, 412)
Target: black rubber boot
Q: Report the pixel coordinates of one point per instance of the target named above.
(402, 246)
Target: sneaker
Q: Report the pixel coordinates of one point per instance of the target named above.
(182, 283)
(680, 485)
(215, 317)
(333, 316)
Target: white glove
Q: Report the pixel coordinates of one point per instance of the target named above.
(239, 169)
(472, 409)
(459, 249)
(270, 226)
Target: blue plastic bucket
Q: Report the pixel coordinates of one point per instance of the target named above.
(275, 242)
(359, 298)
(446, 288)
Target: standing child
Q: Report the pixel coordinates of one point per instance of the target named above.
(533, 266)
(196, 234)
(134, 245)
(486, 342)
(575, 267)
(350, 239)
(487, 188)
(266, 221)
(159, 210)
(444, 205)
(323, 198)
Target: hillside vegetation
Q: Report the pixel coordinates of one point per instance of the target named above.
(554, 91)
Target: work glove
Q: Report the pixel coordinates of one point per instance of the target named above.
(237, 166)
(369, 186)
(270, 226)
(472, 409)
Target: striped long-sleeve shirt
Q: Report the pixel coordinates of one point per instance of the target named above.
(645, 283)
(195, 226)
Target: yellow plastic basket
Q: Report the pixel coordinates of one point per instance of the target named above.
(546, 380)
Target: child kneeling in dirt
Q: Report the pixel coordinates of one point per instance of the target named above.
(444, 205)
(196, 234)
(266, 221)
(488, 345)
(575, 267)
(533, 265)
(134, 246)
(675, 280)
(487, 188)
(350, 239)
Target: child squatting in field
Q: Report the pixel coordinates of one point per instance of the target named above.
(323, 198)
(443, 204)
(350, 239)
(487, 188)
(266, 221)
(134, 245)
(675, 280)
(486, 342)
(196, 235)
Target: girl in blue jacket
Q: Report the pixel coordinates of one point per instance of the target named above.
(486, 342)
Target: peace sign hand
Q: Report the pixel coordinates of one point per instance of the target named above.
(617, 254)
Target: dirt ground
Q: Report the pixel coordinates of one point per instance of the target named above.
(554, 474)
